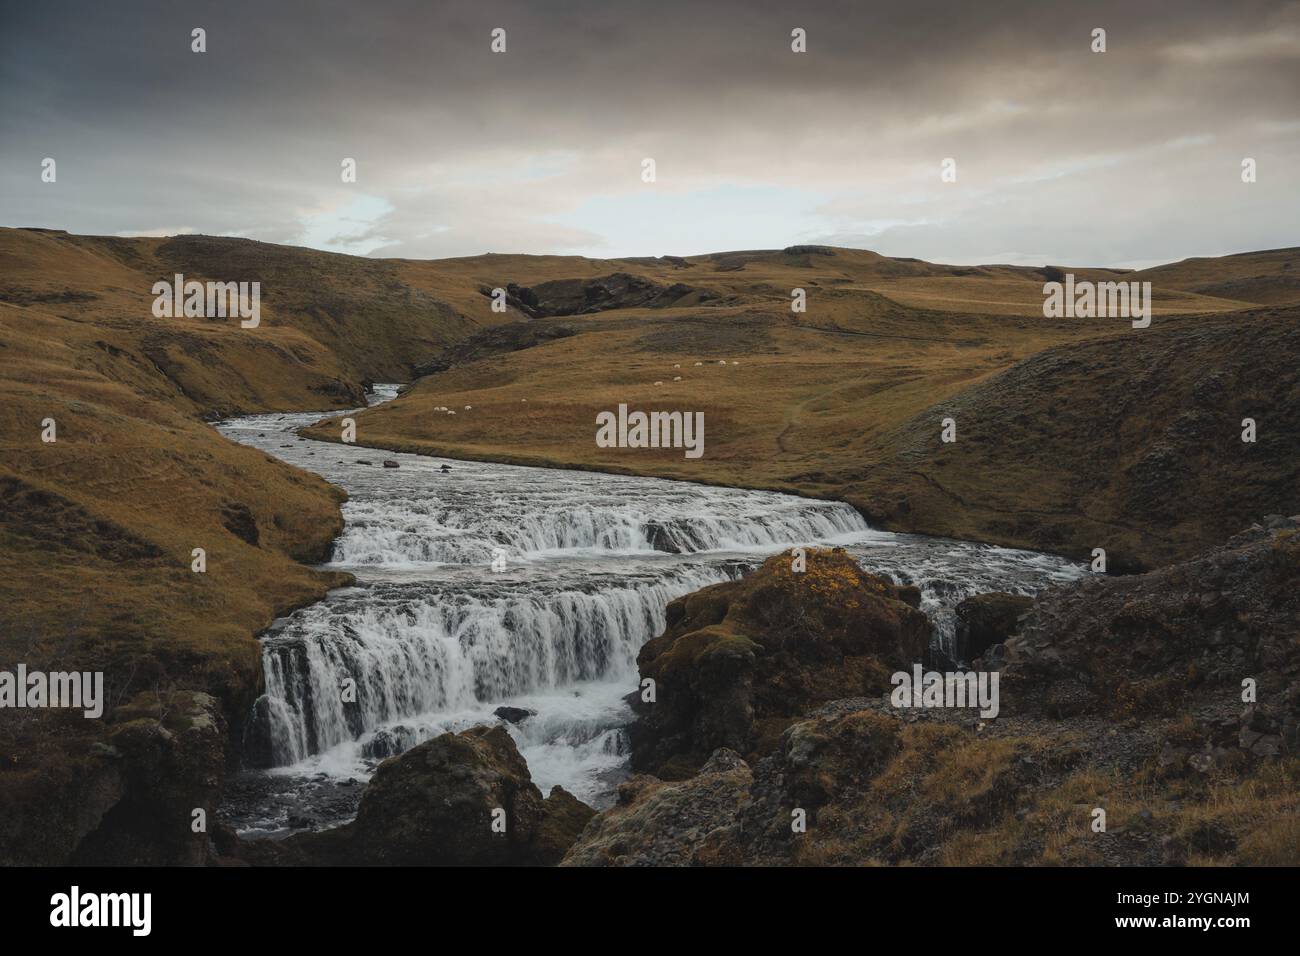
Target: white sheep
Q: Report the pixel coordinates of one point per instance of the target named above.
(468, 407)
(658, 383)
(677, 378)
(699, 363)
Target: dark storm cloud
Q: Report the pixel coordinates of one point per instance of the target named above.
(1062, 153)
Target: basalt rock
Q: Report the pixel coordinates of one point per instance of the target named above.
(621, 290)
(496, 340)
(741, 659)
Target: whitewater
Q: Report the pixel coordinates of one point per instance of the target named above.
(481, 586)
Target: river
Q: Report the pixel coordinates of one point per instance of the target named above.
(486, 585)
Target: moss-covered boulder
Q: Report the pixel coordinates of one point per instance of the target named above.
(740, 660)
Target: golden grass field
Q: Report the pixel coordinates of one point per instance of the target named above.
(1072, 433)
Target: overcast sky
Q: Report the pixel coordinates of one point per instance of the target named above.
(1065, 156)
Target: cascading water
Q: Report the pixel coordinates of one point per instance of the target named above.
(494, 585)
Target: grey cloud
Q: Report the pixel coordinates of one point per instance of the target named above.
(247, 138)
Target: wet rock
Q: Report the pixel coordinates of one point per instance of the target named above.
(384, 743)
(910, 595)
(514, 715)
(389, 463)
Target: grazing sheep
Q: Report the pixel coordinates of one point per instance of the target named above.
(658, 383)
(468, 407)
(677, 378)
(699, 363)
(735, 363)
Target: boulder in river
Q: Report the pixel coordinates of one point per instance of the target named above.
(514, 715)
(389, 463)
(462, 799)
(740, 660)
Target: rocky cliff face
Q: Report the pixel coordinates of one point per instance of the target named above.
(741, 659)
(1126, 737)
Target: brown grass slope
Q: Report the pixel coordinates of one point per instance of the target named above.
(1114, 437)
(1132, 444)
(97, 528)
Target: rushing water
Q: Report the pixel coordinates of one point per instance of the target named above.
(488, 585)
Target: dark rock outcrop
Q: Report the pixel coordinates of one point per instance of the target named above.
(669, 824)
(1150, 644)
(621, 290)
(496, 340)
(167, 752)
(740, 660)
(987, 619)
(514, 715)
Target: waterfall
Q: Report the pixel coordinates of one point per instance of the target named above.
(460, 528)
(366, 657)
(481, 585)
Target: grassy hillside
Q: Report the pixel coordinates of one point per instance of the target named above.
(1112, 437)
(97, 528)
(1072, 434)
